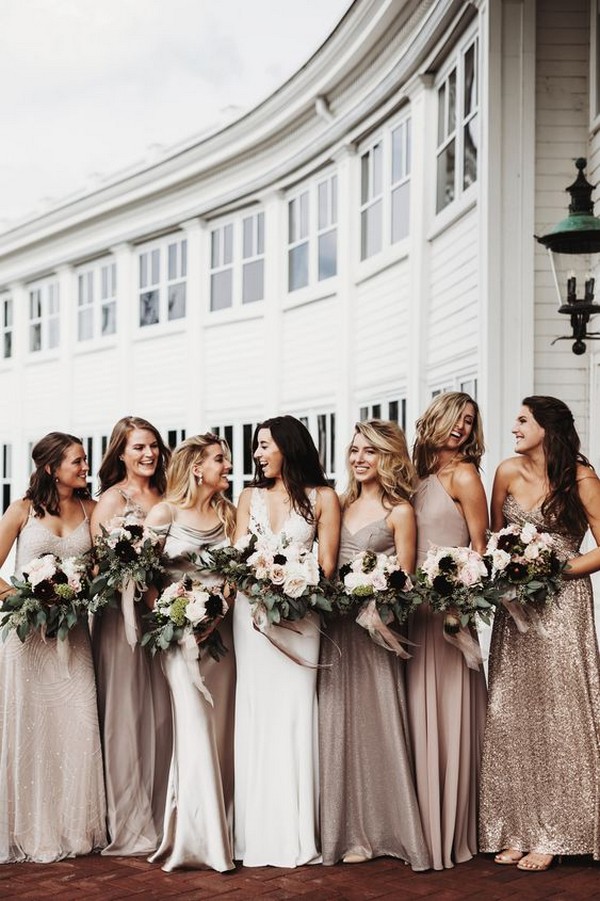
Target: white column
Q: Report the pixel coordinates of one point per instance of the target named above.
(275, 207)
(18, 427)
(422, 200)
(65, 276)
(127, 307)
(196, 311)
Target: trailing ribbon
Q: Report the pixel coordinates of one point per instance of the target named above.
(191, 653)
(63, 652)
(370, 619)
(260, 622)
(524, 615)
(128, 609)
(464, 642)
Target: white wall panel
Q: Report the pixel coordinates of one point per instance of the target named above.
(380, 333)
(232, 368)
(309, 353)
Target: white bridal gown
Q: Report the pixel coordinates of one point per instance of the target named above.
(276, 743)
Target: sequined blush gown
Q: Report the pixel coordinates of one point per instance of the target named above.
(540, 784)
(135, 724)
(51, 784)
(368, 799)
(276, 720)
(446, 702)
(198, 822)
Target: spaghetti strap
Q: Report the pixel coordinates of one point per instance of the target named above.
(83, 510)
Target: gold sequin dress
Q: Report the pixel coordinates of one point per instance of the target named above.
(540, 787)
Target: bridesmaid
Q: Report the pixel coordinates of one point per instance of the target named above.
(368, 799)
(446, 699)
(133, 698)
(199, 810)
(540, 788)
(276, 718)
(51, 786)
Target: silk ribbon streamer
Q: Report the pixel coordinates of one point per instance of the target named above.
(464, 642)
(261, 623)
(524, 615)
(63, 652)
(370, 619)
(191, 654)
(128, 608)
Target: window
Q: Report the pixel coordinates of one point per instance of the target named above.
(321, 426)
(6, 474)
(6, 319)
(385, 189)
(175, 437)
(457, 137)
(394, 410)
(95, 448)
(312, 233)
(237, 262)
(44, 317)
(464, 383)
(162, 282)
(96, 301)
(238, 436)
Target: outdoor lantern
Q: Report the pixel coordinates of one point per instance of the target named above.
(574, 249)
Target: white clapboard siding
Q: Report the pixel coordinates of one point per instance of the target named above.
(380, 328)
(44, 407)
(309, 359)
(95, 380)
(232, 367)
(453, 321)
(159, 388)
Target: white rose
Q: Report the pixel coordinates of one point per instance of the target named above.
(379, 581)
(528, 533)
(353, 580)
(195, 611)
(500, 560)
(470, 574)
(532, 551)
(40, 569)
(277, 574)
(294, 585)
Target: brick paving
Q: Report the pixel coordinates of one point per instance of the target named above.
(112, 878)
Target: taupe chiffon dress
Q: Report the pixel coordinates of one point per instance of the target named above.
(368, 799)
(540, 783)
(51, 784)
(135, 724)
(198, 821)
(446, 702)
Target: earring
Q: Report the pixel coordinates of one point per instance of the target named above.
(199, 479)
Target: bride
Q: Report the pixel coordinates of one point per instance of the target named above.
(276, 750)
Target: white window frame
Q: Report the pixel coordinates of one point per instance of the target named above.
(321, 423)
(454, 132)
(154, 278)
(96, 286)
(238, 434)
(383, 199)
(391, 407)
(46, 296)
(7, 326)
(253, 257)
(465, 381)
(241, 258)
(95, 445)
(327, 225)
(6, 475)
(317, 230)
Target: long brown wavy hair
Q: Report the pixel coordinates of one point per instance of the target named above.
(395, 471)
(112, 469)
(182, 488)
(48, 454)
(433, 429)
(301, 468)
(562, 448)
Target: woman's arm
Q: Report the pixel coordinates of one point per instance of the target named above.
(328, 529)
(10, 525)
(242, 519)
(404, 526)
(588, 486)
(468, 490)
(159, 515)
(111, 504)
(499, 492)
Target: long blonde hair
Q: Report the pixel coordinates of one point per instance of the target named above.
(182, 487)
(433, 429)
(395, 472)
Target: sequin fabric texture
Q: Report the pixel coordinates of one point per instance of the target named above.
(540, 788)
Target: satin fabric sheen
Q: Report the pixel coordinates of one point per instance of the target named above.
(446, 702)
(368, 799)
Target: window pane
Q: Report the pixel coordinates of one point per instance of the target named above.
(470, 153)
(393, 411)
(53, 332)
(470, 99)
(214, 249)
(183, 255)
(143, 270)
(5, 497)
(149, 308)
(104, 282)
(452, 101)
(35, 337)
(400, 211)
(8, 313)
(220, 290)
(109, 318)
(364, 178)
(260, 228)
(248, 459)
(227, 244)
(323, 214)
(322, 439)
(298, 267)
(252, 281)
(7, 349)
(371, 231)
(155, 267)
(85, 329)
(292, 230)
(441, 114)
(172, 254)
(176, 301)
(328, 254)
(397, 154)
(248, 231)
(304, 215)
(90, 287)
(445, 177)
(334, 199)
(407, 127)
(377, 169)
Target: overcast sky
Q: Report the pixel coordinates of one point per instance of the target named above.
(88, 86)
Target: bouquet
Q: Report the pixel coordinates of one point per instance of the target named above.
(384, 592)
(186, 614)
(51, 597)
(525, 571)
(128, 560)
(455, 582)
